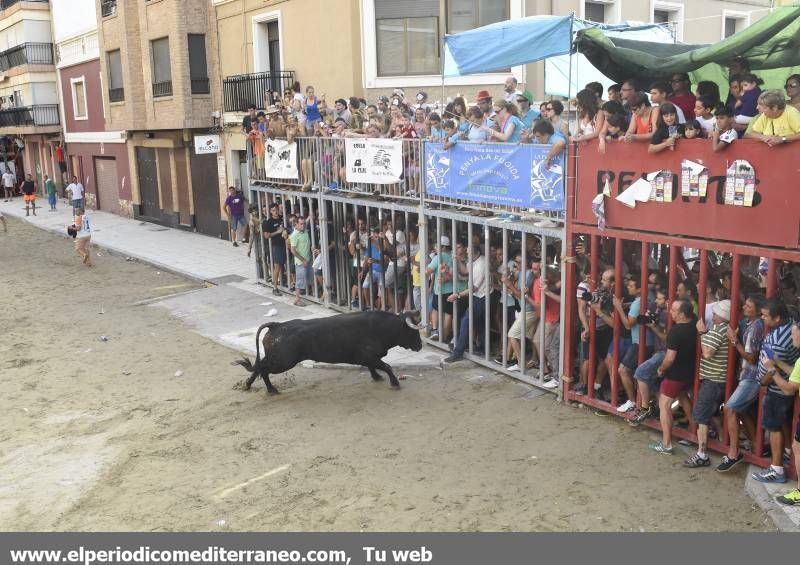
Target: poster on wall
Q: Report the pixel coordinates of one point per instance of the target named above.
(740, 184)
(280, 159)
(694, 179)
(374, 161)
(505, 174)
(206, 144)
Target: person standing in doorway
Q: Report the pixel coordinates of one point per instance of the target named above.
(8, 184)
(234, 208)
(50, 186)
(75, 189)
(29, 194)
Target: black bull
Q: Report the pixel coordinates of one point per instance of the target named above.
(358, 338)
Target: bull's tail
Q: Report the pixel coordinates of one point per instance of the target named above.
(244, 361)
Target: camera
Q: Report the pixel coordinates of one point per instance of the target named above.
(647, 318)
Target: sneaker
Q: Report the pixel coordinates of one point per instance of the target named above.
(235, 244)
(580, 390)
(276, 292)
(354, 304)
(769, 476)
(642, 414)
(453, 358)
(513, 368)
(696, 461)
(790, 498)
(551, 384)
(658, 447)
(727, 463)
(627, 406)
(435, 335)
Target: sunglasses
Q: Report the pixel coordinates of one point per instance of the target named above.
(787, 86)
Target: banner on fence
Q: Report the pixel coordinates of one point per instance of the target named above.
(280, 159)
(374, 161)
(496, 173)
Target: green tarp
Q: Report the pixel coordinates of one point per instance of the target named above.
(773, 42)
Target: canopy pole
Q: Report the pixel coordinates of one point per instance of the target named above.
(571, 55)
(441, 66)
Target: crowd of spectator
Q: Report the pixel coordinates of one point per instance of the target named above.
(663, 325)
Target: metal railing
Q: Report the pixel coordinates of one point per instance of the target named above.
(108, 8)
(26, 54)
(162, 88)
(200, 86)
(241, 91)
(116, 94)
(38, 115)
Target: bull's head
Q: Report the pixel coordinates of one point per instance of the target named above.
(413, 319)
(411, 339)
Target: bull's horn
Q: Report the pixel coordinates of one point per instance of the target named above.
(412, 325)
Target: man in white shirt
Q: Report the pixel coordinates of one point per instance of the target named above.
(510, 88)
(478, 270)
(76, 191)
(8, 185)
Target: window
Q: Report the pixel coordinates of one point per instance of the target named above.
(198, 69)
(408, 32)
(79, 98)
(595, 12)
(116, 90)
(162, 74)
(669, 13)
(661, 17)
(734, 22)
(463, 15)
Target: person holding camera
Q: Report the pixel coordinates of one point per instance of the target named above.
(630, 360)
(677, 370)
(713, 375)
(599, 300)
(646, 375)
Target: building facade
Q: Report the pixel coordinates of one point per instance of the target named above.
(29, 112)
(367, 48)
(96, 155)
(158, 66)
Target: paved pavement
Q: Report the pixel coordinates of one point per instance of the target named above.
(230, 311)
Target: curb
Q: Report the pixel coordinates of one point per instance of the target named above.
(758, 492)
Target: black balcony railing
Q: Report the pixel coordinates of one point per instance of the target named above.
(162, 88)
(200, 86)
(241, 91)
(108, 8)
(8, 3)
(26, 54)
(38, 115)
(116, 94)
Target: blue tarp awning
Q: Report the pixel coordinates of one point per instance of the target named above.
(506, 44)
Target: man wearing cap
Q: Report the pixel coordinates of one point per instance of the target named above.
(713, 374)
(484, 101)
(510, 89)
(526, 113)
(441, 267)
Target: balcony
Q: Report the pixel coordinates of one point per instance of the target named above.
(26, 54)
(5, 4)
(38, 115)
(108, 8)
(241, 91)
(116, 94)
(200, 86)
(162, 89)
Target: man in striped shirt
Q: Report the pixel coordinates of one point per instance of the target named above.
(777, 408)
(713, 374)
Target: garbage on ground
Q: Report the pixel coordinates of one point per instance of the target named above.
(270, 313)
(103, 338)
(178, 373)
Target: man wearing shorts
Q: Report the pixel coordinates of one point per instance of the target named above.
(522, 291)
(273, 230)
(29, 194)
(776, 410)
(747, 342)
(630, 361)
(789, 386)
(677, 370)
(713, 375)
(84, 237)
(300, 247)
(76, 191)
(234, 208)
(8, 185)
(646, 374)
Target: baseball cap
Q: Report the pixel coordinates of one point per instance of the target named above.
(527, 96)
(722, 309)
(444, 241)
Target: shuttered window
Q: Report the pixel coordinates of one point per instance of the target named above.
(161, 64)
(114, 61)
(198, 69)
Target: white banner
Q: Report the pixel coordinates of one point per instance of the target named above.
(374, 161)
(280, 159)
(205, 144)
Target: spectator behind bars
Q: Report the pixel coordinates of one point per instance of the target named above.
(677, 370)
(713, 375)
(646, 374)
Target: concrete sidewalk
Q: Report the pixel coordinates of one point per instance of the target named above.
(205, 259)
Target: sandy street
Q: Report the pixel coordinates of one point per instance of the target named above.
(102, 435)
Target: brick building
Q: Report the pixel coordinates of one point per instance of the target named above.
(158, 64)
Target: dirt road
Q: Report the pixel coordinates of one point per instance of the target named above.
(104, 435)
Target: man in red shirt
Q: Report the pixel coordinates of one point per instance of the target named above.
(552, 317)
(682, 93)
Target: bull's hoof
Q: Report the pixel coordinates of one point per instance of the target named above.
(395, 386)
(377, 377)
